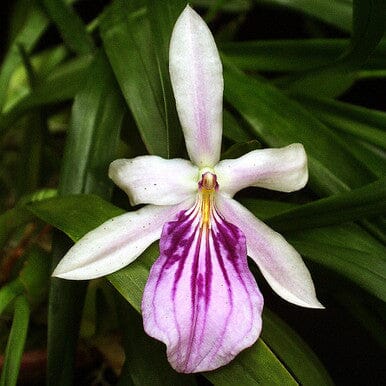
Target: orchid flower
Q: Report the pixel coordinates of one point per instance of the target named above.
(201, 300)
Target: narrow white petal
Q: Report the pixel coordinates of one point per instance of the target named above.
(283, 169)
(278, 261)
(196, 75)
(116, 243)
(154, 180)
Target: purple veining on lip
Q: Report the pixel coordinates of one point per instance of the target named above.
(200, 299)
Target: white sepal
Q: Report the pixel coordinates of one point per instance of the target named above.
(196, 76)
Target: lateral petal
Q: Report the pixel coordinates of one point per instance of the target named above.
(116, 243)
(279, 262)
(154, 180)
(196, 76)
(201, 300)
(283, 169)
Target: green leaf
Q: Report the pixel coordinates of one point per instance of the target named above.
(283, 55)
(213, 10)
(369, 23)
(162, 15)
(361, 122)
(94, 135)
(370, 155)
(231, 6)
(293, 351)
(62, 84)
(337, 13)
(11, 220)
(324, 246)
(43, 63)
(91, 145)
(15, 344)
(295, 55)
(9, 292)
(370, 74)
(255, 365)
(129, 44)
(32, 280)
(265, 209)
(367, 201)
(330, 81)
(30, 72)
(33, 27)
(65, 304)
(94, 209)
(278, 121)
(239, 149)
(30, 165)
(29, 170)
(39, 195)
(233, 130)
(377, 228)
(369, 20)
(70, 26)
(18, 216)
(365, 309)
(35, 275)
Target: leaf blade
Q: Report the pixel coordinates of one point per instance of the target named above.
(91, 144)
(367, 201)
(126, 35)
(15, 344)
(70, 26)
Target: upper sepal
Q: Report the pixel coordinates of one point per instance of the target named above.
(196, 76)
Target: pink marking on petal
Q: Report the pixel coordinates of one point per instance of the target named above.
(201, 299)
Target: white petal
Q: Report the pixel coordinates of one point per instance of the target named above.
(196, 75)
(283, 169)
(278, 261)
(116, 243)
(154, 180)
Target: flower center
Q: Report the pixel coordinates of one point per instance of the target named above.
(207, 187)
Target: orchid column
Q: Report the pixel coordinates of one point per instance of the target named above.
(201, 300)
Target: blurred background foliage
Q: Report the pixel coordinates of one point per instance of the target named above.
(85, 82)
